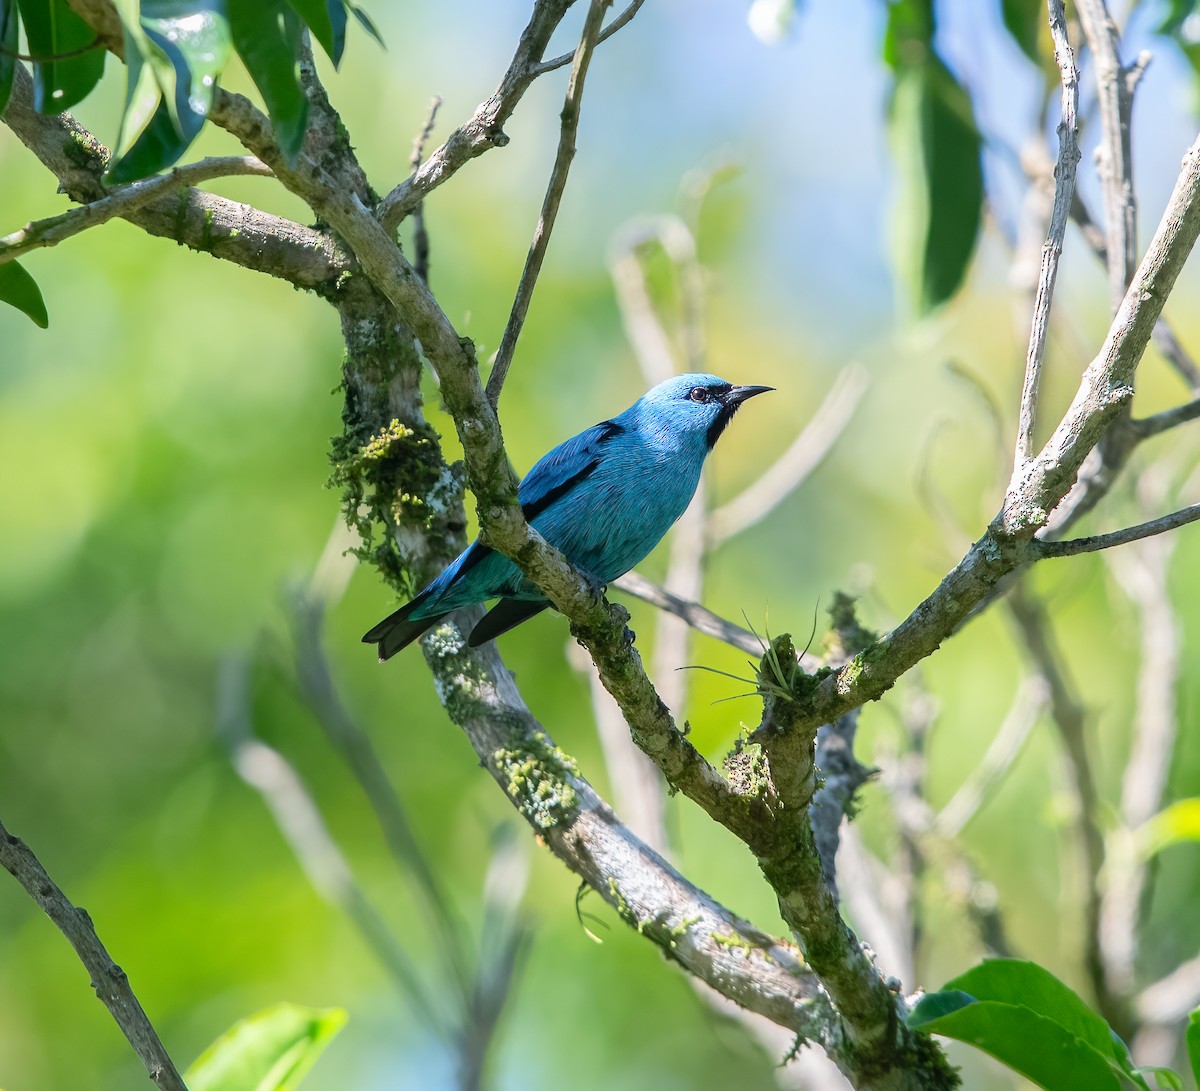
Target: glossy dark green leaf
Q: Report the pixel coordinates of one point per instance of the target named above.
(1039, 1049)
(193, 35)
(1193, 1043)
(270, 1051)
(933, 1006)
(9, 25)
(71, 61)
(939, 209)
(318, 16)
(155, 148)
(1024, 1016)
(1018, 981)
(266, 34)
(1024, 19)
(337, 18)
(20, 290)
(365, 21)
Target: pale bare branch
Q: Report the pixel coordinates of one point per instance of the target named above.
(1064, 189)
(1004, 749)
(620, 21)
(122, 202)
(805, 453)
(1074, 546)
(550, 203)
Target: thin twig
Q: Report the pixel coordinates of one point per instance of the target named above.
(506, 940)
(698, 617)
(1163, 523)
(55, 229)
(1164, 336)
(1070, 720)
(637, 785)
(485, 128)
(1064, 189)
(108, 979)
(552, 200)
(805, 453)
(1143, 574)
(317, 687)
(608, 32)
(644, 329)
(1002, 752)
(1158, 423)
(420, 236)
(1115, 159)
(1171, 997)
(299, 820)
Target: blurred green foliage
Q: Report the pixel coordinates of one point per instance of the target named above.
(165, 451)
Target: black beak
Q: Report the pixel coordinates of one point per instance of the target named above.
(738, 394)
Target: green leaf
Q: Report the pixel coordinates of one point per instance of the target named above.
(1039, 1049)
(318, 16)
(1178, 822)
(20, 290)
(269, 1051)
(365, 21)
(157, 147)
(194, 37)
(939, 208)
(266, 34)
(908, 38)
(64, 75)
(1176, 15)
(1025, 1017)
(175, 51)
(9, 25)
(1193, 1043)
(1163, 1077)
(1024, 19)
(337, 18)
(1016, 981)
(933, 1006)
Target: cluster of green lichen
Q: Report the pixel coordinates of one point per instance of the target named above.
(386, 480)
(537, 776)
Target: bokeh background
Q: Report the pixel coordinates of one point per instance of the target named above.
(164, 458)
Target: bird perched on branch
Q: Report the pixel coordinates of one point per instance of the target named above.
(605, 498)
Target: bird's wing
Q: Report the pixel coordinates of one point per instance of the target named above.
(506, 614)
(559, 472)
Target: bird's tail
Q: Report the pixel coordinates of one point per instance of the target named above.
(400, 629)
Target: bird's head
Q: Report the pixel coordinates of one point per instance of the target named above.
(696, 403)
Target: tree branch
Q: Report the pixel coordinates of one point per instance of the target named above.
(759, 972)
(108, 979)
(554, 191)
(485, 129)
(1064, 190)
(565, 59)
(1143, 575)
(1005, 546)
(299, 821)
(201, 221)
(55, 229)
(803, 455)
(1074, 546)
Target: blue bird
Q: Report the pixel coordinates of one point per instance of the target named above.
(605, 498)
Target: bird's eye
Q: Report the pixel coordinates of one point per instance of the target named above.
(699, 394)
